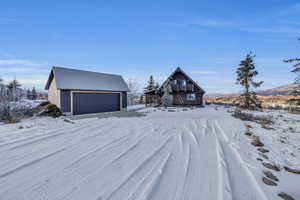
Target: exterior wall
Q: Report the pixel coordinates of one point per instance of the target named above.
(179, 97)
(54, 93)
(197, 101)
(124, 99)
(65, 100)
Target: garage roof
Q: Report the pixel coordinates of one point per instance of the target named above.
(74, 79)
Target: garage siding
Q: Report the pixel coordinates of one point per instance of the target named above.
(65, 100)
(85, 103)
(124, 99)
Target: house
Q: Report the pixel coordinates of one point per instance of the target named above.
(84, 92)
(180, 90)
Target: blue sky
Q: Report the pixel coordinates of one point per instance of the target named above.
(139, 38)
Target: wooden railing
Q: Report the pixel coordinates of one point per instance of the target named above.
(182, 88)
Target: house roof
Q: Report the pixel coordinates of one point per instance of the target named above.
(178, 69)
(74, 79)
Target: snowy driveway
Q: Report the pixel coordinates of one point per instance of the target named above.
(192, 154)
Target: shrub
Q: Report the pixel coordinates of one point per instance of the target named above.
(44, 103)
(51, 110)
(263, 120)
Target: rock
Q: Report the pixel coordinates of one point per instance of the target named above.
(256, 142)
(264, 156)
(248, 133)
(263, 150)
(271, 176)
(259, 159)
(171, 110)
(285, 196)
(269, 182)
(68, 121)
(295, 171)
(270, 166)
(248, 126)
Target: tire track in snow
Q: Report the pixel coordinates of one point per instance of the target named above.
(16, 157)
(144, 185)
(67, 148)
(238, 172)
(53, 133)
(101, 173)
(113, 160)
(30, 163)
(110, 145)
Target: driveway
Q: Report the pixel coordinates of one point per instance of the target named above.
(183, 154)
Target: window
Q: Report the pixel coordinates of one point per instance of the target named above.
(175, 82)
(191, 97)
(183, 83)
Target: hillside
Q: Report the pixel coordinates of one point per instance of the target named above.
(281, 90)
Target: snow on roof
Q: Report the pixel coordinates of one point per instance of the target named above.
(85, 80)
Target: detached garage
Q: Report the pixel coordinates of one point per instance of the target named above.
(82, 92)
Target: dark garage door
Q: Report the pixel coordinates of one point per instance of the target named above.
(85, 103)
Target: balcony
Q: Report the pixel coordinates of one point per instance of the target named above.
(182, 88)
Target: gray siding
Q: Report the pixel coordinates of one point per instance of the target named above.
(124, 99)
(65, 100)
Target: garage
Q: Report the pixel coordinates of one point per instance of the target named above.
(78, 92)
(86, 103)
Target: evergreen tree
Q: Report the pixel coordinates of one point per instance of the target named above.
(28, 94)
(156, 87)
(150, 85)
(33, 94)
(296, 70)
(245, 74)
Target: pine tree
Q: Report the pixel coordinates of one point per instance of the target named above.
(245, 74)
(28, 94)
(14, 90)
(33, 94)
(156, 87)
(150, 85)
(296, 70)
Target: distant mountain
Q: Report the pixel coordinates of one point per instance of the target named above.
(281, 90)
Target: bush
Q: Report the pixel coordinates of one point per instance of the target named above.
(263, 120)
(43, 104)
(51, 110)
(5, 113)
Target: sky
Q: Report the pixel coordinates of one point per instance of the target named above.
(136, 39)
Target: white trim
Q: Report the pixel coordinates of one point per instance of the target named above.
(92, 91)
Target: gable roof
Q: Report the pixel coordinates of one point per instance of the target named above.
(178, 69)
(74, 79)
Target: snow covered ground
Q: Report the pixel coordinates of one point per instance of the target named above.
(171, 154)
(135, 107)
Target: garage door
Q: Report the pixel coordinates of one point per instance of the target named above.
(86, 103)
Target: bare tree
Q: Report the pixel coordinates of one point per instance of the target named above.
(133, 85)
(134, 88)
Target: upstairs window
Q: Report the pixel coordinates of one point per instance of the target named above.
(183, 83)
(191, 97)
